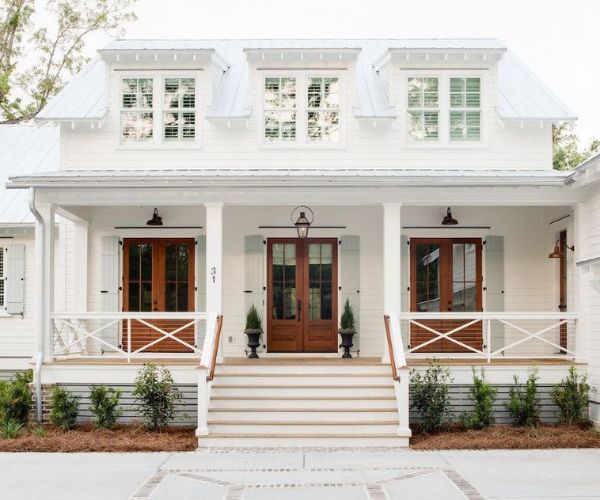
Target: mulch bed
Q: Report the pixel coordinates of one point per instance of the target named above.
(87, 438)
(507, 437)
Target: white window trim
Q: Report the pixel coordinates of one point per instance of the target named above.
(444, 109)
(157, 142)
(3, 311)
(302, 141)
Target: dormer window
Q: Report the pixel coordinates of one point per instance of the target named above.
(302, 109)
(280, 109)
(137, 109)
(465, 109)
(179, 117)
(423, 109)
(323, 110)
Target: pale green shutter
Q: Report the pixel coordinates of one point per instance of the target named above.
(254, 276)
(404, 270)
(109, 285)
(15, 278)
(350, 280)
(494, 284)
(200, 305)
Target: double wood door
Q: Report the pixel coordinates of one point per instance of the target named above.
(446, 276)
(158, 276)
(302, 295)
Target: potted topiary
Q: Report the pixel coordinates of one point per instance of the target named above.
(253, 330)
(347, 330)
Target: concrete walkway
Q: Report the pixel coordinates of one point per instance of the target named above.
(376, 474)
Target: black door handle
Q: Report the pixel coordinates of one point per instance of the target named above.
(299, 306)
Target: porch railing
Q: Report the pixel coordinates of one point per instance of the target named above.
(490, 335)
(400, 373)
(98, 334)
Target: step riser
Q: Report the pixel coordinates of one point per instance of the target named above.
(310, 442)
(289, 392)
(292, 429)
(295, 380)
(383, 370)
(301, 417)
(299, 404)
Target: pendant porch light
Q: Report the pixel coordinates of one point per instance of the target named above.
(302, 223)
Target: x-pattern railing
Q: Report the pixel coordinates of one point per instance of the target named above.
(72, 331)
(512, 323)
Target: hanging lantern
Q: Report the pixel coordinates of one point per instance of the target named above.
(302, 223)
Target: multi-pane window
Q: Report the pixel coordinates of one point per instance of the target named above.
(137, 109)
(179, 115)
(423, 109)
(280, 109)
(323, 109)
(465, 109)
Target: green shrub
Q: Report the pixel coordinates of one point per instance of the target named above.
(25, 377)
(65, 408)
(483, 395)
(571, 396)
(253, 319)
(10, 429)
(524, 404)
(156, 394)
(15, 400)
(105, 405)
(40, 432)
(430, 396)
(347, 320)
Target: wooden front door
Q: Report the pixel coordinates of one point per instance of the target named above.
(158, 277)
(446, 275)
(302, 295)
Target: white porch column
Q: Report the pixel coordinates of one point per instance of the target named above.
(80, 285)
(214, 257)
(47, 291)
(580, 285)
(392, 297)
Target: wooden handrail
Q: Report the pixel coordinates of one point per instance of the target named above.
(386, 319)
(215, 350)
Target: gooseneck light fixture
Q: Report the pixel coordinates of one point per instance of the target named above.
(302, 222)
(557, 253)
(448, 220)
(156, 219)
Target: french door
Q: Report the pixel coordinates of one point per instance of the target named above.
(158, 276)
(302, 295)
(446, 275)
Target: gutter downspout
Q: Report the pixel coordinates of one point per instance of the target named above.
(39, 247)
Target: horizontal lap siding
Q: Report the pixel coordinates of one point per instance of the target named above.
(460, 402)
(240, 145)
(186, 409)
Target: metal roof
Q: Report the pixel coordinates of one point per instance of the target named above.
(521, 95)
(282, 176)
(587, 171)
(24, 150)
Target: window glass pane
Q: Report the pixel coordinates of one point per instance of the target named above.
(146, 261)
(134, 296)
(182, 296)
(423, 94)
(182, 262)
(171, 297)
(280, 114)
(427, 277)
(284, 280)
(146, 297)
(179, 123)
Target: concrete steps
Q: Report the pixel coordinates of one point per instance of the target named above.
(297, 404)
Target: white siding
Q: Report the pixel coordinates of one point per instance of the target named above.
(506, 146)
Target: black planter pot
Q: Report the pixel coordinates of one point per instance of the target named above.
(346, 335)
(253, 341)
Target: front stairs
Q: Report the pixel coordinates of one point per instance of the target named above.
(303, 402)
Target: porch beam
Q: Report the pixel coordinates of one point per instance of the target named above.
(392, 297)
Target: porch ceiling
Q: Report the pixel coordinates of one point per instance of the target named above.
(326, 177)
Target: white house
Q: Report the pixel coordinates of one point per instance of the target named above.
(425, 170)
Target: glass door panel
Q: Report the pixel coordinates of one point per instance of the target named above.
(427, 277)
(283, 269)
(177, 284)
(140, 283)
(464, 277)
(320, 277)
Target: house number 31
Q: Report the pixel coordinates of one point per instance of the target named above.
(213, 273)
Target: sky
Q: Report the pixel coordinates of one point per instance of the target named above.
(558, 40)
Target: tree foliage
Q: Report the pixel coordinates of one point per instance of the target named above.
(36, 60)
(566, 153)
